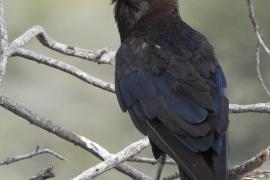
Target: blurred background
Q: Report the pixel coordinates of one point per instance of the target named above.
(95, 113)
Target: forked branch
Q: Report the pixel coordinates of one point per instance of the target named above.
(37, 152)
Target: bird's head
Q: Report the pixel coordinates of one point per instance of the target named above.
(129, 12)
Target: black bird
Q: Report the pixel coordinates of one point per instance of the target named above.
(168, 79)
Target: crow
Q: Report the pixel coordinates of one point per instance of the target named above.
(168, 79)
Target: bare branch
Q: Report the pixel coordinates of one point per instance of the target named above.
(257, 161)
(103, 56)
(67, 135)
(234, 108)
(131, 150)
(39, 31)
(149, 160)
(258, 108)
(66, 68)
(3, 44)
(258, 174)
(260, 43)
(246, 169)
(256, 27)
(258, 68)
(46, 173)
(37, 152)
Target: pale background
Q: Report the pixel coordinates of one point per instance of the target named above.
(95, 113)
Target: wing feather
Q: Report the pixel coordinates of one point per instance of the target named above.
(188, 98)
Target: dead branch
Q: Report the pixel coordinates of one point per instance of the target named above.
(30, 55)
(260, 43)
(46, 173)
(256, 27)
(67, 135)
(131, 150)
(258, 174)
(37, 152)
(255, 108)
(245, 168)
(3, 45)
(103, 56)
(150, 161)
(65, 68)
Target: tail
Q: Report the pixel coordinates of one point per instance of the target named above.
(192, 165)
(183, 175)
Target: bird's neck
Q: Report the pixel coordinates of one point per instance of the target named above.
(130, 14)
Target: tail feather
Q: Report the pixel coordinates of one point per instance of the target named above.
(192, 166)
(220, 162)
(191, 163)
(183, 175)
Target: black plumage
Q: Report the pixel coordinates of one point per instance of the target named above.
(168, 78)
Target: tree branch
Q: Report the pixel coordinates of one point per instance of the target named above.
(72, 70)
(150, 161)
(256, 27)
(3, 44)
(258, 68)
(234, 108)
(67, 135)
(46, 173)
(258, 174)
(96, 56)
(258, 108)
(260, 43)
(238, 172)
(245, 168)
(37, 152)
(130, 151)
(103, 56)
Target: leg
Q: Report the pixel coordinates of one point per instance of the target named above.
(161, 162)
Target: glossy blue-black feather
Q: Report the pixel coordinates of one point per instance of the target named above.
(140, 84)
(180, 104)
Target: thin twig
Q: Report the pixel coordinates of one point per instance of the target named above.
(67, 135)
(255, 108)
(243, 169)
(258, 68)
(131, 150)
(3, 44)
(103, 56)
(44, 174)
(258, 174)
(234, 108)
(37, 152)
(150, 161)
(66, 68)
(260, 43)
(256, 27)
(92, 55)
